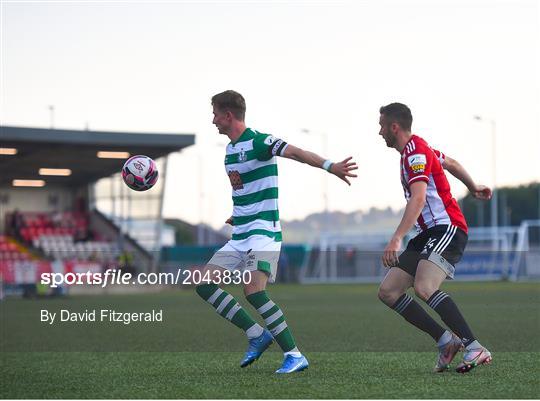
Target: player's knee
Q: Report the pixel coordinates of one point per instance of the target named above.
(423, 290)
(253, 287)
(257, 283)
(388, 295)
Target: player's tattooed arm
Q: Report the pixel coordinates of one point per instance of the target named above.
(457, 170)
(412, 211)
(342, 169)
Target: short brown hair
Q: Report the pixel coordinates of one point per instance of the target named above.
(399, 113)
(231, 101)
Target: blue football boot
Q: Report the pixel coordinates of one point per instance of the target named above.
(293, 364)
(256, 347)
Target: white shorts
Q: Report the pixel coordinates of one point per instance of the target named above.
(257, 252)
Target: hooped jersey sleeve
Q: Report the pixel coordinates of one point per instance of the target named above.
(267, 146)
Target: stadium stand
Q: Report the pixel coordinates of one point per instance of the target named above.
(53, 224)
(10, 250)
(64, 236)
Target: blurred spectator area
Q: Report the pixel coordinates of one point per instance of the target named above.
(59, 236)
(10, 250)
(63, 242)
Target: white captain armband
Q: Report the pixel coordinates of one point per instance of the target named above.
(278, 147)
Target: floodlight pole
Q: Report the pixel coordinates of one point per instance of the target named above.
(200, 227)
(156, 256)
(51, 115)
(326, 200)
(495, 204)
(495, 192)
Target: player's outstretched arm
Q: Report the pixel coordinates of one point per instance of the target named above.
(342, 169)
(457, 170)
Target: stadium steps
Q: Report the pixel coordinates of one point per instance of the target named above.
(106, 228)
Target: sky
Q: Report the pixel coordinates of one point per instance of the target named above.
(313, 73)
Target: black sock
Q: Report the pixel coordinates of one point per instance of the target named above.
(407, 307)
(441, 303)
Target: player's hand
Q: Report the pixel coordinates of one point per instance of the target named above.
(481, 192)
(229, 221)
(390, 255)
(343, 169)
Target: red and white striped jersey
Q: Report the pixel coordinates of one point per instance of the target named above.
(419, 162)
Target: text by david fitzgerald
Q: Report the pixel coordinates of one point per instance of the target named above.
(101, 315)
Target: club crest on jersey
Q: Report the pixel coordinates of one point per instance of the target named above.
(242, 156)
(417, 163)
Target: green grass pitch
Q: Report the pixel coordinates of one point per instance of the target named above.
(357, 348)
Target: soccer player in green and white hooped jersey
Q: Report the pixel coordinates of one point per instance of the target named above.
(251, 165)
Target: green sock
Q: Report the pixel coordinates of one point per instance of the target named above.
(225, 305)
(274, 319)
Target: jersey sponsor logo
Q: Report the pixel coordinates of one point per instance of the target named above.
(236, 180)
(269, 140)
(417, 162)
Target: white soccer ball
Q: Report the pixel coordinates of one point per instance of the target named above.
(140, 173)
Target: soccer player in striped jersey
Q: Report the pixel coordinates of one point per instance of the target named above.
(251, 166)
(442, 235)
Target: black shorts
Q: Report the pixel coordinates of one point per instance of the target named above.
(442, 245)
